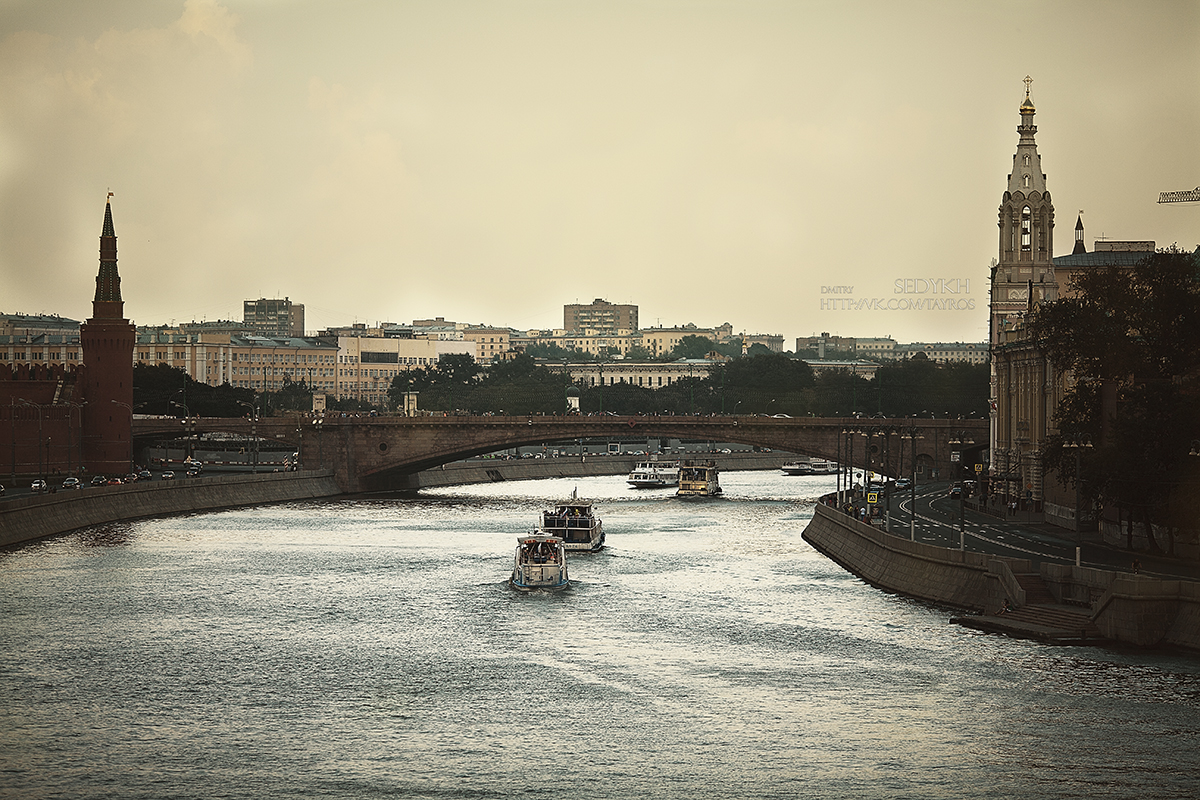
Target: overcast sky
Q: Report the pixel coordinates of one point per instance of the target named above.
(488, 162)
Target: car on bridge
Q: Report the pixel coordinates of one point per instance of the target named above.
(72, 483)
(38, 486)
(99, 480)
(167, 476)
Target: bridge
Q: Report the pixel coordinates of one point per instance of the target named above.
(377, 453)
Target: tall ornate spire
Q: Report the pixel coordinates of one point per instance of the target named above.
(107, 303)
(1027, 174)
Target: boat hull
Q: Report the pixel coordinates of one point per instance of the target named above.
(698, 481)
(654, 475)
(540, 564)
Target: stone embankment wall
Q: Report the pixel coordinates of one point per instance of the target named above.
(1144, 610)
(958, 578)
(1141, 610)
(491, 470)
(27, 518)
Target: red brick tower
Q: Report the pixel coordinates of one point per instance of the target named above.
(108, 340)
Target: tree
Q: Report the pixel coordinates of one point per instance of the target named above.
(692, 346)
(293, 396)
(1130, 340)
(158, 388)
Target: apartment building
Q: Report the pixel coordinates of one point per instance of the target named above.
(366, 365)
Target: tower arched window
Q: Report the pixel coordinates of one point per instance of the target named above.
(1026, 229)
(1025, 160)
(1025, 181)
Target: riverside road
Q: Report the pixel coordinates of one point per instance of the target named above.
(940, 516)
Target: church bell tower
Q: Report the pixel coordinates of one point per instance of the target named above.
(1024, 273)
(108, 341)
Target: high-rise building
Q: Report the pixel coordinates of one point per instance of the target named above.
(273, 317)
(600, 316)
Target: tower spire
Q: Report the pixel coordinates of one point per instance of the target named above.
(107, 303)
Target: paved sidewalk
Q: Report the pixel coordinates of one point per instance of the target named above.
(939, 519)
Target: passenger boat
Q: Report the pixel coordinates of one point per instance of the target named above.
(798, 468)
(698, 480)
(540, 563)
(575, 522)
(654, 474)
(822, 467)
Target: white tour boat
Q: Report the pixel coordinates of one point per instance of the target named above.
(698, 480)
(822, 467)
(654, 474)
(575, 522)
(540, 563)
(798, 468)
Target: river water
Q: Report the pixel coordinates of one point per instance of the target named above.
(372, 649)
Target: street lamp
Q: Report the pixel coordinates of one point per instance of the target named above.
(41, 472)
(128, 408)
(1078, 446)
(961, 438)
(912, 434)
(319, 424)
(69, 445)
(187, 422)
(253, 431)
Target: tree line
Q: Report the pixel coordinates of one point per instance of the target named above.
(764, 383)
(1130, 340)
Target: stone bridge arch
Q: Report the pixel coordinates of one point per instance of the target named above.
(375, 453)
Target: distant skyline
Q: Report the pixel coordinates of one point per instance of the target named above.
(491, 162)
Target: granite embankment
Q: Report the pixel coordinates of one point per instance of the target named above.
(1140, 610)
(27, 518)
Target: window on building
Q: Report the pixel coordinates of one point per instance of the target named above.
(1026, 229)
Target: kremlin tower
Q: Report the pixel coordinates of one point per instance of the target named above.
(108, 341)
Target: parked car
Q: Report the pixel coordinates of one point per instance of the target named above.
(38, 486)
(99, 480)
(168, 476)
(72, 483)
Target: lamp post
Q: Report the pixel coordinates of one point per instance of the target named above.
(600, 365)
(253, 431)
(841, 434)
(187, 423)
(912, 434)
(961, 438)
(41, 473)
(128, 408)
(319, 424)
(1078, 446)
(71, 406)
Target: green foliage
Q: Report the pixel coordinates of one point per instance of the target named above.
(556, 352)
(1131, 339)
(692, 346)
(293, 396)
(163, 389)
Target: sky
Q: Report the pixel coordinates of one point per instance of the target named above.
(488, 162)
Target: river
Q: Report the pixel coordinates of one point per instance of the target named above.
(370, 648)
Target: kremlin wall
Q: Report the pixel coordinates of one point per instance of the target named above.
(76, 420)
